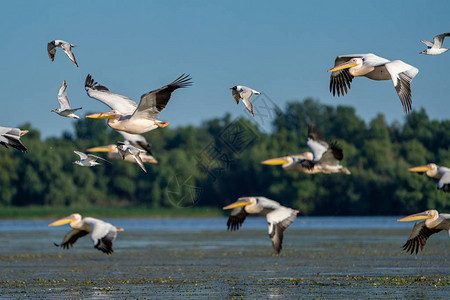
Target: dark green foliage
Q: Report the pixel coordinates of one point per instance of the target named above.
(219, 161)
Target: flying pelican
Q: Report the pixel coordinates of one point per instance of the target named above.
(244, 93)
(67, 47)
(375, 68)
(103, 234)
(87, 160)
(434, 222)
(137, 140)
(126, 114)
(325, 159)
(434, 171)
(65, 110)
(126, 149)
(113, 154)
(11, 137)
(279, 217)
(435, 48)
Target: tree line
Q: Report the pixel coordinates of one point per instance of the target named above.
(218, 161)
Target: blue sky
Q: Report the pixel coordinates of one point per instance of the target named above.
(281, 48)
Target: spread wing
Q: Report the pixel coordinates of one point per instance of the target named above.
(12, 137)
(418, 237)
(155, 101)
(51, 50)
(428, 43)
(439, 40)
(103, 235)
(236, 218)
(71, 237)
(279, 219)
(138, 159)
(333, 155)
(68, 50)
(101, 93)
(341, 80)
(402, 74)
(246, 95)
(316, 142)
(137, 140)
(92, 157)
(236, 96)
(81, 154)
(62, 97)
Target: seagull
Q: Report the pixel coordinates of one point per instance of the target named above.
(137, 140)
(113, 154)
(279, 217)
(11, 137)
(126, 115)
(375, 68)
(244, 93)
(67, 47)
(87, 160)
(65, 110)
(103, 234)
(435, 48)
(125, 149)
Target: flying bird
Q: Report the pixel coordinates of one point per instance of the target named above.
(87, 160)
(435, 47)
(375, 68)
(113, 154)
(67, 47)
(126, 115)
(102, 233)
(11, 137)
(65, 110)
(434, 171)
(325, 157)
(279, 217)
(126, 149)
(244, 93)
(433, 223)
(137, 140)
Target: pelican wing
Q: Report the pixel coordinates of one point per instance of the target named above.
(418, 237)
(51, 50)
(155, 101)
(11, 137)
(439, 40)
(81, 154)
(236, 218)
(68, 50)
(71, 237)
(333, 154)
(279, 219)
(402, 74)
(341, 80)
(236, 96)
(115, 101)
(316, 142)
(62, 97)
(103, 234)
(444, 182)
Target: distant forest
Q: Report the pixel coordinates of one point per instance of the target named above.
(215, 163)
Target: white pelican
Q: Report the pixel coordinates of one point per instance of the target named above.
(113, 154)
(137, 140)
(325, 159)
(67, 47)
(103, 234)
(126, 114)
(434, 222)
(11, 137)
(126, 149)
(279, 217)
(65, 110)
(244, 93)
(87, 160)
(376, 68)
(435, 48)
(434, 171)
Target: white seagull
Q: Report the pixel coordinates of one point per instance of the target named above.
(244, 93)
(67, 47)
(125, 149)
(87, 160)
(126, 115)
(103, 234)
(435, 48)
(279, 217)
(137, 140)
(65, 110)
(11, 137)
(375, 68)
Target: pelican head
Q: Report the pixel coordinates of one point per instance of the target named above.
(423, 169)
(287, 159)
(113, 114)
(69, 219)
(428, 214)
(23, 132)
(241, 202)
(107, 148)
(354, 62)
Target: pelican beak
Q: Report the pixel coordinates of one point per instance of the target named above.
(275, 161)
(420, 216)
(419, 169)
(61, 221)
(24, 132)
(103, 115)
(108, 148)
(345, 65)
(240, 202)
